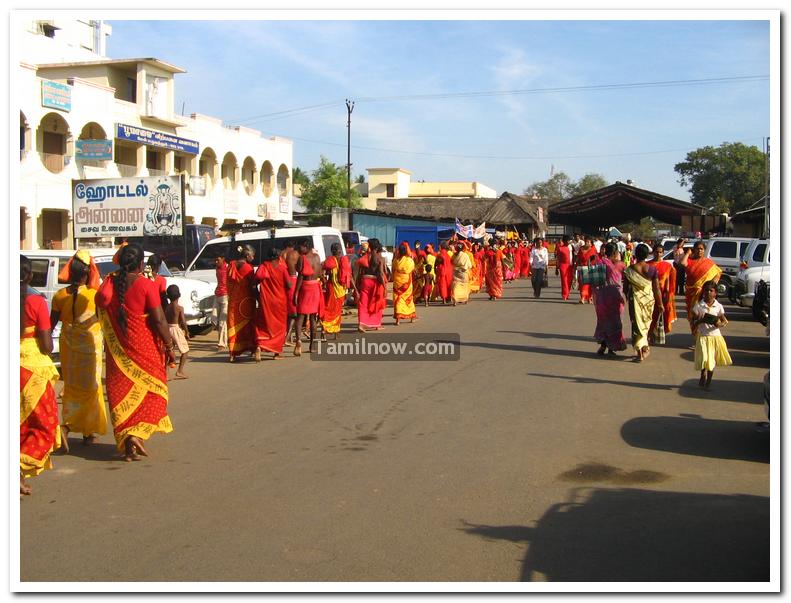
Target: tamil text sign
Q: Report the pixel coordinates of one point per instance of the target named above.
(127, 207)
(156, 139)
(55, 95)
(98, 150)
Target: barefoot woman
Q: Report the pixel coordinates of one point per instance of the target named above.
(39, 433)
(135, 333)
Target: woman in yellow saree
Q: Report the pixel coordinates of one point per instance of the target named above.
(403, 298)
(643, 294)
(474, 273)
(39, 432)
(80, 349)
(699, 270)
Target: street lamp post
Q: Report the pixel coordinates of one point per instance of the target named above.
(349, 109)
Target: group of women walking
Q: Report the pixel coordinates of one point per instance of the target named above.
(122, 316)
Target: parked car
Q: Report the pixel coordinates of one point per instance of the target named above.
(761, 304)
(726, 253)
(197, 297)
(754, 268)
(202, 267)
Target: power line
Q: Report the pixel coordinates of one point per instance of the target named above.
(504, 157)
(493, 93)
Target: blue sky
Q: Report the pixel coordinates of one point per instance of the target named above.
(244, 71)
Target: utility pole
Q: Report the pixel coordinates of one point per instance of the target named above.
(349, 109)
(766, 192)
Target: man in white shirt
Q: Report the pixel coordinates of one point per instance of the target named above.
(539, 260)
(597, 243)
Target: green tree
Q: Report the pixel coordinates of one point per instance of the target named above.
(560, 186)
(360, 179)
(728, 178)
(328, 188)
(554, 189)
(300, 177)
(589, 182)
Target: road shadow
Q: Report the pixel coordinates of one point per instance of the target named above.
(753, 359)
(540, 350)
(748, 392)
(596, 381)
(746, 343)
(697, 436)
(98, 451)
(631, 535)
(551, 336)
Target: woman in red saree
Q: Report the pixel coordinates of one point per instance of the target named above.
(241, 305)
(39, 431)
(698, 271)
(524, 254)
(444, 273)
(662, 322)
(371, 283)
(563, 266)
(586, 256)
(137, 344)
(274, 285)
(494, 271)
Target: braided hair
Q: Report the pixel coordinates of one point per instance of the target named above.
(129, 260)
(25, 270)
(77, 272)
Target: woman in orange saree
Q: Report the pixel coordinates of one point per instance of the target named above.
(241, 305)
(403, 295)
(474, 274)
(137, 344)
(698, 271)
(335, 295)
(662, 322)
(274, 285)
(39, 432)
(444, 272)
(494, 271)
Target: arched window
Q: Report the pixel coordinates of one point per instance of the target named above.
(228, 173)
(248, 175)
(207, 166)
(267, 175)
(53, 141)
(283, 180)
(24, 136)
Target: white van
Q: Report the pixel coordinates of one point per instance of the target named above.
(754, 268)
(203, 268)
(197, 297)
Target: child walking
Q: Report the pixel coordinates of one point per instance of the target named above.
(710, 348)
(428, 283)
(174, 314)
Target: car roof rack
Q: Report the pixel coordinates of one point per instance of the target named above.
(263, 225)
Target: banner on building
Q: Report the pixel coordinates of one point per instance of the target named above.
(156, 139)
(55, 95)
(284, 204)
(96, 150)
(479, 232)
(540, 214)
(230, 203)
(117, 207)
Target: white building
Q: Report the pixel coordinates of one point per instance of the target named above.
(70, 93)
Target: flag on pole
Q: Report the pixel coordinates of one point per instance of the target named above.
(465, 231)
(479, 231)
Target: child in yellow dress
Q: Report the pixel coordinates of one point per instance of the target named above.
(710, 347)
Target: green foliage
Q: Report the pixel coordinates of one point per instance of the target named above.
(300, 177)
(328, 188)
(728, 178)
(560, 186)
(645, 230)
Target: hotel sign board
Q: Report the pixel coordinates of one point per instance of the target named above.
(116, 207)
(55, 95)
(156, 139)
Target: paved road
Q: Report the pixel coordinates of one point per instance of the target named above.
(529, 459)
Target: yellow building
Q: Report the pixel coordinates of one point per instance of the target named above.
(396, 183)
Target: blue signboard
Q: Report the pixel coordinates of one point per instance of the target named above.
(101, 150)
(156, 139)
(55, 95)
